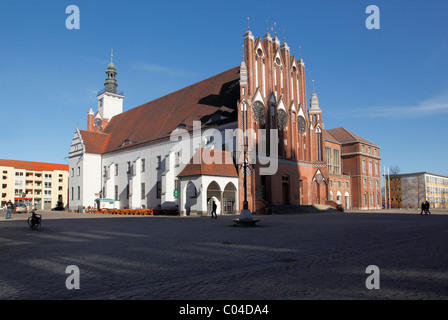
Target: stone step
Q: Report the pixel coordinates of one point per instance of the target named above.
(292, 209)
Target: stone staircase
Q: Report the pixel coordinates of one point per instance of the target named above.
(295, 209)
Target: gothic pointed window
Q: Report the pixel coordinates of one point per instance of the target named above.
(281, 119)
(319, 144)
(278, 61)
(301, 124)
(258, 111)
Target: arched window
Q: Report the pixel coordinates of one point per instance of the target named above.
(339, 197)
(319, 144)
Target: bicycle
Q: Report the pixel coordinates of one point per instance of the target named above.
(35, 221)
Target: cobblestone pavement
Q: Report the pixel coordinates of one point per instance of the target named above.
(300, 257)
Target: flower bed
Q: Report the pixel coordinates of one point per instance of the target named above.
(134, 212)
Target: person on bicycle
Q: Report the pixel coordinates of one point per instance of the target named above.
(35, 220)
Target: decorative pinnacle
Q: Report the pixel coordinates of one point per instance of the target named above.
(111, 54)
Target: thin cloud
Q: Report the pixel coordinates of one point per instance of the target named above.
(154, 68)
(432, 106)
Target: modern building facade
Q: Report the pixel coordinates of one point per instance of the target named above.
(39, 184)
(190, 147)
(409, 190)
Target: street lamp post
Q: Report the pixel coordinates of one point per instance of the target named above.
(245, 213)
(245, 219)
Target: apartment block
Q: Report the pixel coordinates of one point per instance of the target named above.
(39, 184)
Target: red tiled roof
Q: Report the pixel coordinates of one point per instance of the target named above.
(214, 169)
(33, 165)
(95, 142)
(157, 119)
(329, 137)
(344, 136)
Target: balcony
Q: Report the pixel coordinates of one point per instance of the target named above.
(120, 93)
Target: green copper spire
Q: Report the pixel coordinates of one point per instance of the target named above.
(111, 84)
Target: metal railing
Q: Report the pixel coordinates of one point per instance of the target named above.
(121, 93)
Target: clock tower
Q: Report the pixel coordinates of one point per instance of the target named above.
(110, 100)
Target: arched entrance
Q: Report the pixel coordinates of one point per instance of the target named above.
(304, 190)
(324, 188)
(285, 193)
(319, 188)
(316, 192)
(229, 199)
(190, 197)
(285, 189)
(339, 197)
(214, 193)
(347, 200)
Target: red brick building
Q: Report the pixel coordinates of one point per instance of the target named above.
(266, 96)
(361, 164)
(273, 97)
(339, 184)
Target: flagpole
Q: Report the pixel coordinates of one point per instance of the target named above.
(388, 180)
(385, 188)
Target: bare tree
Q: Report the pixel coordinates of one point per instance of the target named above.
(393, 181)
(413, 191)
(394, 170)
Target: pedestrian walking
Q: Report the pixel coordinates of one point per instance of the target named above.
(9, 209)
(214, 206)
(427, 207)
(423, 208)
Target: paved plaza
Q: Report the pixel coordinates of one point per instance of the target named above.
(295, 256)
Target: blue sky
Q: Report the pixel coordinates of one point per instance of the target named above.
(389, 86)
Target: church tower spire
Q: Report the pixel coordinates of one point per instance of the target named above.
(110, 85)
(110, 101)
(314, 103)
(315, 114)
